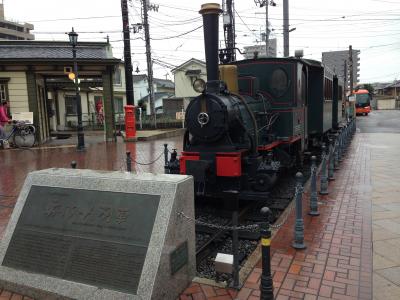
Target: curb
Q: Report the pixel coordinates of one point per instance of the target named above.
(167, 134)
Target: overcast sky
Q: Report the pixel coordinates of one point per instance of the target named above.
(372, 26)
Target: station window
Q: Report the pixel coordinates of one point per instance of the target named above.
(3, 92)
(117, 77)
(70, 105)
(118, 105)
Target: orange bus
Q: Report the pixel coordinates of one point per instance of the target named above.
(363, 102)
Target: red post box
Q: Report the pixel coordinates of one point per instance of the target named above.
(130, 121)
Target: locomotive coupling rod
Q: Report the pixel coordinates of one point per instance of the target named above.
(266, 285)
(298, 242)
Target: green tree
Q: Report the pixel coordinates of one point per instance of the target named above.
(368, 87)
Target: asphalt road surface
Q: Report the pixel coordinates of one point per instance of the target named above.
(379, 121)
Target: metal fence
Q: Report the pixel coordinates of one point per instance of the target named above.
(94, 121)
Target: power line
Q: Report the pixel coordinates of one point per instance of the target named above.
(245, 23)
(72, 19)
(179, 35)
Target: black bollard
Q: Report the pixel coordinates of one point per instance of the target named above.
(73, 164)
(314, 194)
(331, 165)
(298, 242)
(128, 161)
(324, 173)
(266, 285)
(336, 159)
(165, 156)
(235, 239)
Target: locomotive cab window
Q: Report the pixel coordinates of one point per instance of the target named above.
(279, 82)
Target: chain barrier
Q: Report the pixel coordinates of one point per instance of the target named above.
(299, 189)
(251, 227)
(148, 163)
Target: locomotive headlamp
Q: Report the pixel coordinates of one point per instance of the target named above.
(199, 85)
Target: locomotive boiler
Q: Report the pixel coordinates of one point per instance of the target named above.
(253, 118)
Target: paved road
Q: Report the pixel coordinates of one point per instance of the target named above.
(380, 134)
(380, 121)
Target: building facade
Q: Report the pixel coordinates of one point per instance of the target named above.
(10, 30)
(33, 79)
(186, 74)
(335, 60)
(250, 51)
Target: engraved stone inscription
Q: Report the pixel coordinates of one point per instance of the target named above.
(94, 237)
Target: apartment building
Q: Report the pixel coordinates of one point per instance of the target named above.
(335, 60)
(11, 30)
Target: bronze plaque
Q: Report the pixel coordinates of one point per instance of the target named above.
(94, 237)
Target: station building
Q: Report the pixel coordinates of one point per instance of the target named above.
(33, 78)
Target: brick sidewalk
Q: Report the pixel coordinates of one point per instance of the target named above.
(337, 263)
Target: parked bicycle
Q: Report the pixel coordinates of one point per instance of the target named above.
(22, 135)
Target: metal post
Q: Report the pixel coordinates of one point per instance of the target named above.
(298, 242)
(183, 117)
(149, 61)
(128, 161)
(140, 118)
(73, 164)
(340, 152)
(336, 155)
(314, 194)
(127, 54)
(266, 28)
(324, 174)
(165, 158)
(266, 285)
(351, 69)
(331, 161)
(285, 28)
(81, 137)
(235, 240)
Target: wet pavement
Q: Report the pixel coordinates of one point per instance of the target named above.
(352, 247)
(15, 164)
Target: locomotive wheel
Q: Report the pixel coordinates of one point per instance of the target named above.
(262, 182)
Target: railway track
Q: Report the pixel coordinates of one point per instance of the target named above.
(212, 225)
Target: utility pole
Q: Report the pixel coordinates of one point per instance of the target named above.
(127, 54)
(266, 28)
(351, 68)
(346, 84)
(229, 30)
(266, 3)
(145, 5)
(285, 28)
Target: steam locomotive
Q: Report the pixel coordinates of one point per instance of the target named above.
(254, 118)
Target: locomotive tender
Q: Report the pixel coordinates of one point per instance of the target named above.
(253, 118)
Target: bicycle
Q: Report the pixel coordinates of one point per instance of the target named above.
(22, 135)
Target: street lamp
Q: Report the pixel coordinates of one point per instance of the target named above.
(73, 40)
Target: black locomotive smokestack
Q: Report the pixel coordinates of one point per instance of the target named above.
(210, 12)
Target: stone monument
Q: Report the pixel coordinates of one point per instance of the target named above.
(83, 234)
